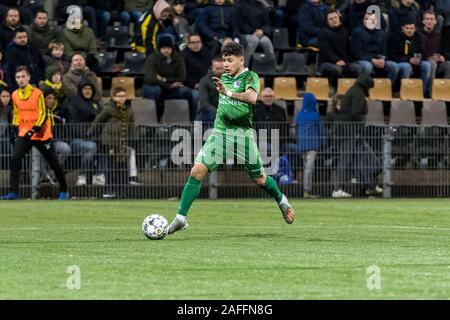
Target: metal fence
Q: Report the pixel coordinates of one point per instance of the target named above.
(151, 162)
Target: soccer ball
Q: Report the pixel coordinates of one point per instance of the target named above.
(155, 227)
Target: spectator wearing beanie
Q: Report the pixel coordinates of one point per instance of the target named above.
(165, 73)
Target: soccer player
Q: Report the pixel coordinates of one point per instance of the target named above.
(33, 128)
(238, 90)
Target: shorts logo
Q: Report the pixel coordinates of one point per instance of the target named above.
(237, 84)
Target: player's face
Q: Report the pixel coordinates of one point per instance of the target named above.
(233, 64)
(5, 97)
(22, 79)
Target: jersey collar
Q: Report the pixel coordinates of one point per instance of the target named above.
(245, 70)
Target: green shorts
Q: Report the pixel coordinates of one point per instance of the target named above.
(238, 145)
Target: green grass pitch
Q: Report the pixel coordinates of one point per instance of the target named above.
(240, 249)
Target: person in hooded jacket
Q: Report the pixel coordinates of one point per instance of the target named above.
(156, 22)
(310, 138)
(80, 111)
(349, 131)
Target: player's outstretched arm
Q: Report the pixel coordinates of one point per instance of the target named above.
(249, 96)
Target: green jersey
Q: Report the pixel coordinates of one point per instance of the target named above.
(231, 113)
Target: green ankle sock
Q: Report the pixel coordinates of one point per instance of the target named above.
(190, 192)
(272, 188)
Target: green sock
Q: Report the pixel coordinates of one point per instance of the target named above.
(272, 188)
(190, 192)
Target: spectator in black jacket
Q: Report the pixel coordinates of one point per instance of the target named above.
(254, 27)
(10, 23)
(197, 59)
(432, 49)
(406, 50)
(217, 22)
(26, 14)
(81, 110)
(334, 55)
(350, 138)
(310, 20)
(165, 73)
(209, 96)
(405, 10)
(22, 53)
(369, 49)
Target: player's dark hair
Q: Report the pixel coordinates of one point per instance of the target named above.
(233, 49)
(23, 68)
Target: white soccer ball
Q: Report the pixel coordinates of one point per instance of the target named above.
(155, 227)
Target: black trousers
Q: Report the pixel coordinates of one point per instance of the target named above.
(47, 149)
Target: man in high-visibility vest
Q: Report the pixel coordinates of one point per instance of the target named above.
(32, 126)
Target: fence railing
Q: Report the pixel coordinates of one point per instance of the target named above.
(154, 161)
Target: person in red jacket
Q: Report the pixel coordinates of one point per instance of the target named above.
(32, 126)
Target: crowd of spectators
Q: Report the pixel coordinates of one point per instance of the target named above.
(181, 40)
